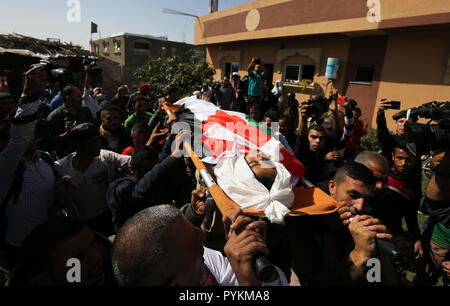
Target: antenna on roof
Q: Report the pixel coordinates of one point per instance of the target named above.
(174, 12)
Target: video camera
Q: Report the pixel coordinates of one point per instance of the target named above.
(316, 107)
(422, 138)
(55, 72)
(92, 64)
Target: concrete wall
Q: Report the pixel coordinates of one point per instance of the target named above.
(130, 58)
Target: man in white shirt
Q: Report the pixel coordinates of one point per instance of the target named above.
(89, 100)
(159, 246)
(27, 182)
(91, 169)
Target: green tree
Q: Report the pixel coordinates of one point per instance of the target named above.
(369, 142)
(186, 73)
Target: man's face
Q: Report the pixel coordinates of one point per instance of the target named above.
(226, 82)
(316, 140)
(356, 115)
(189, 243)
(257, 67)
(92, 146)
(260, 165)
(401, 126)
(403, 161)
(111, 120)
(97, 92)
(380, 173)
(6, 106)
(283, 126)
(141, 106)
(145, 90)
(84, 247)
(267, 121)
(139, 138)
(122, 93)
(75, 99)
(254, 113)
(352, 193)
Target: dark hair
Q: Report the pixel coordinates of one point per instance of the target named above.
(141, 127)
(83, 132)
(316, 127)
(139, 97)
(68, 91)
(110, 108)
(399, 142)
(37, 246)
(142, 154)
(272, 114)
(355, 171)
(357, 109)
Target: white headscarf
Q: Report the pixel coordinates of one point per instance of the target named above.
(237, 180)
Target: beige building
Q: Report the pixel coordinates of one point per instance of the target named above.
(131, 51)
(387, 49)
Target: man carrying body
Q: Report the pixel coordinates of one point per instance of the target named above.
(148, 247)
(325, 251)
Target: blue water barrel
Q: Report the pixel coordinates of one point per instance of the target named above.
(332, 68)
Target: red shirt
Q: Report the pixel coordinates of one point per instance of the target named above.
(352, 143)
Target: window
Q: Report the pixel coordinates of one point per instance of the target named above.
(117, 45)
(364, 74)
(141, 46)
(229, 68)
(96, 49)
(294, 72)
(174, 50)
(106, 47)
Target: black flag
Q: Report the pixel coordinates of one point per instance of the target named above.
(93, 27)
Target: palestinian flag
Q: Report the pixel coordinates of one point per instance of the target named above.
(221, 131)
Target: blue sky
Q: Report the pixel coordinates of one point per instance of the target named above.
(48, 18)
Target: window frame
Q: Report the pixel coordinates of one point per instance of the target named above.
(354, 81)
(231, 68)
(300, 70)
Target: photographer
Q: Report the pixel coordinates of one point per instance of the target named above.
(256, 74)
(387, 140)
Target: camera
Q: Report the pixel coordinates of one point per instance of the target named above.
(316, 107)
(55, 72)
(422, 138)
(92, 64)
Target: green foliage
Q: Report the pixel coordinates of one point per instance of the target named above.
(186, 73)
(369, 142)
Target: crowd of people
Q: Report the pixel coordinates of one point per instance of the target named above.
(103, 181)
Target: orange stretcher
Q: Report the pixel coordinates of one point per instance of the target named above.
(307, 201)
